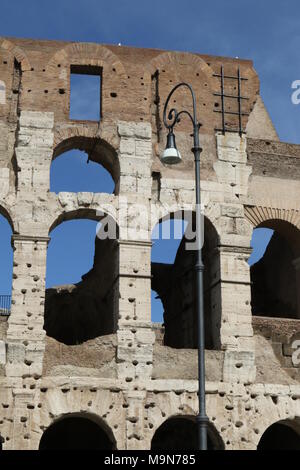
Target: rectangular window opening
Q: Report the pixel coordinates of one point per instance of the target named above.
(85, 92)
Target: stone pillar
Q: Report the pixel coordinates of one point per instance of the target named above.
(135, 336)
(235, 291)
(23, 405)
(33, 152)
(135, 158)
(135, 432)
(25, 334)
(234, 294)
(236, 333)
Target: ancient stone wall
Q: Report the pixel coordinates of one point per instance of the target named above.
(125, 379)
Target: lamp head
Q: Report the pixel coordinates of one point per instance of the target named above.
(170, 155)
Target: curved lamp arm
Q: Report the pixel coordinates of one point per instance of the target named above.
(173, 115)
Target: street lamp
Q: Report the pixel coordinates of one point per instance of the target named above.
(172, 156)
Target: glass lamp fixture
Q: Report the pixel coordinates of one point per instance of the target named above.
(170, 156)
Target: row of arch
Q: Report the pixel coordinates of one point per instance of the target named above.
(274, 290)
(99, 55)
(274, 279)
(87, 432)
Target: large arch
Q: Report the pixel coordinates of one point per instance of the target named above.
(78, 431)
(97, 150)
(181, 433)
(176, 287)
(282, 435)
(275, 278)
(75, 313)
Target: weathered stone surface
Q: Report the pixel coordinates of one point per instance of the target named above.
(108, 361)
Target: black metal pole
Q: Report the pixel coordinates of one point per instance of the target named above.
(202, 419)
(173, 117)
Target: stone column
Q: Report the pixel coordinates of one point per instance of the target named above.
(25, 334)
(234, 293)
(236, 333)
(22, 417)
(135, 419)
(135, 336)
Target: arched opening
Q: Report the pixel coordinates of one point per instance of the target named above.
(80, 307)
(174, 282)
(77, 432)
(283, 435)
(6, 265)
(72, 172)
(275, 270)
(166, 238)
(84, 164)
(181, 433)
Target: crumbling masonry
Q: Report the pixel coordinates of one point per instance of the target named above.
(87, 359)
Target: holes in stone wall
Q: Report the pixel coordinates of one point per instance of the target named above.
(85, 92)
(274, 399)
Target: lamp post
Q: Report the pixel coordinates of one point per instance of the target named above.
(172, 156)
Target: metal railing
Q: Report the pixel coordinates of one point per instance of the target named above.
(5, 303)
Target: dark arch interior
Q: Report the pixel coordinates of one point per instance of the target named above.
(274, 278)
(279, 436)
(76, 433)
(75, 313)
(182, 434)
(175, 284)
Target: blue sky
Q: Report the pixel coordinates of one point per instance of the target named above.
(266, 32)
